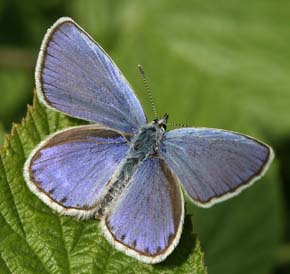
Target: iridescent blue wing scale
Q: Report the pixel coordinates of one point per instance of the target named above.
(212, 164)
(70, 169)
(74, 75)
(146, 220)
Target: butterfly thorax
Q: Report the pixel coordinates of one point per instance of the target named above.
(144, 144)
(146, 141)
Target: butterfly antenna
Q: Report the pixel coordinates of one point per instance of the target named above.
(148, 91)
(177, 125)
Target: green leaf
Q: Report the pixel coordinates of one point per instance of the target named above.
(33, 239)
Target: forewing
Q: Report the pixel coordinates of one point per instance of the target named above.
(147, 219)
(68, 170)
(74, 75)
(213, 164)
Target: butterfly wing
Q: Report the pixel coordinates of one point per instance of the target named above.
(69, 170)
(214, 165)
(146, 220)
(74, 75)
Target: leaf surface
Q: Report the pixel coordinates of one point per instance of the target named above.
(34, 239)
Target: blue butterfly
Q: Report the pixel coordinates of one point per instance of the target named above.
(122, 169)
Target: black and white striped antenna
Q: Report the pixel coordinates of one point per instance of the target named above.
(178, 125)
(148, 91)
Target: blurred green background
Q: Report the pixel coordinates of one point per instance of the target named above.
(222, 64)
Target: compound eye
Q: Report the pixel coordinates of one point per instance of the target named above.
(164, 127)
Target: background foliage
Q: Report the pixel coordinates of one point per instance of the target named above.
(221, 64)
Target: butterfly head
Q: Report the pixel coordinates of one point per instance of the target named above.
(161, 123)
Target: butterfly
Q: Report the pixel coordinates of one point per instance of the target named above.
(122, 169)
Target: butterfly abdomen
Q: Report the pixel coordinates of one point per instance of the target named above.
(142, 146)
